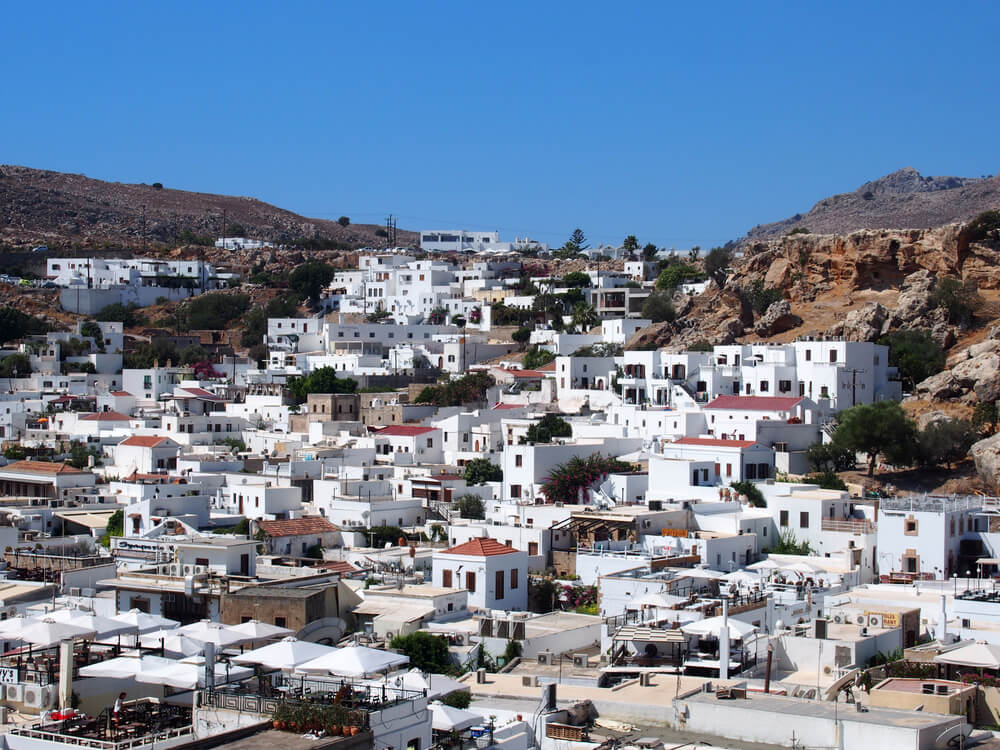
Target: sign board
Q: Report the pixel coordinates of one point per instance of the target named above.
(8, 675)
(682, 533)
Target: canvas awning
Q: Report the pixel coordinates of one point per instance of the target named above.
(354, 661)
(286, 654)
(977, 655)
(650, 635)
(712, 626)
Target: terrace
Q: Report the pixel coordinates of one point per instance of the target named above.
(142, 722)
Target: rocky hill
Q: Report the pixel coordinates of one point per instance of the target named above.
(901, 200)
(60, 209)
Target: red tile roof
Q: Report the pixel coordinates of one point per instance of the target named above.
(754, 403)
(527, 373)
(297, 526)
(120, 393)
(41, 467)
(145, 441)
(481, 547)
(339, 566)
(404, 430)
(509, 406)
(105, 416)
(714, 442)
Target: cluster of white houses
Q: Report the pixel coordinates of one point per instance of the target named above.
(655, 590)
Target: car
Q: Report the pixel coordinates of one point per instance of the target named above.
(40, 249)
(49, 285)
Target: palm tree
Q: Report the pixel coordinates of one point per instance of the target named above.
(584, 317)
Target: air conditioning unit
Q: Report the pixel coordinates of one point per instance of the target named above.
(33, 696)
(460, 639)
(874, 621)
(389, 635)
(860, 620)
(838, 619)
(527, 680)
(188, 570)
(580, 660)
(74, 591)
(14, 693)
(544, 657)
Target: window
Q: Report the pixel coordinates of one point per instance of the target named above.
(430, 442)
(833, 355)
(763, 471)
(532, 551)
(910, 526)
(279, 622)
(446, 579)
(729, 470)
(784, 386)
(515, 490)
(809, 355)
(751, 471)
(804, 520)
(513, 578)
(783, 518)
(518, 460)
(470, 582)
(764, 386)
(499, 585)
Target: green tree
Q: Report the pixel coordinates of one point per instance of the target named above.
(915, 353)
(457, 699)
(752, 491)
(946, 442)
(90, 329)
(119, 313)
(114, 527)
(482, 470)
(717, 264)
(521, 336)
(584, 317)
(310, 279)
(827, 480)
(545, 429)
(576, 279)
(15, 324)
(535, 358)
(214, 311)
(986, 415)
(649, 252)
(882, 428)
(960, 299)
(468, 389)
(470, 506)
(659, 308)
(983, 225)
(322, 380)
(761, 297)
(830, 457)
(673, 276)
(344, 221)
(577, 241)
(567, 480)
(15, 366)
(428, 653)
(631, 244)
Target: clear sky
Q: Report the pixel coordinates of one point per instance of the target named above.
(682, 123)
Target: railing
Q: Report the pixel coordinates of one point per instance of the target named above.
(934, 504)
(853, 526)
(68, 739)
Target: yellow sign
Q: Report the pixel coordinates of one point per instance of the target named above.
(682, 533)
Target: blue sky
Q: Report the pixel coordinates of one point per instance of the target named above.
(681, 123)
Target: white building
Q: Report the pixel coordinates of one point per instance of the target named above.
(495, 575)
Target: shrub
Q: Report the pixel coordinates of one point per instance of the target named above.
(216, 310)
(761, 297)
(945, 442)
(321, 380)
(915, 353)
(343, 221)
(788, 544)
(752, 491)
(482, 470)
(673, 276)
(659, 308)
(980, 227)
(119, 313)
(465, 390)
(157, 186)
(827, 480)
(959, 299)
(521, 336)
(566, 480)
(576, 279)
(548, 427)
(799, 230)
(15, 366)
(15, 324)
(470, 506)
(90, 329)
(535, 358)
(310, 279)
(882, 428)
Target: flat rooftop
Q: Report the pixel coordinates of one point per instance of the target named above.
(778, 704)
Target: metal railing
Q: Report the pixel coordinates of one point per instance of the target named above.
(934, 503)
(853, 526)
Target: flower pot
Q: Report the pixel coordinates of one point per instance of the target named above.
(334, 731)
(276, 724)
(355, 730)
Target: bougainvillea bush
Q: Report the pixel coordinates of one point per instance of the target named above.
(563, 485)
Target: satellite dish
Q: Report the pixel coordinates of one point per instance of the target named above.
(365, 513)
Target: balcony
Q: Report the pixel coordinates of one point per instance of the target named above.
(851, 526)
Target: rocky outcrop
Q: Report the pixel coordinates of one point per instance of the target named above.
(777, 319)
(986, 454)
(973, 375)
(865, 324)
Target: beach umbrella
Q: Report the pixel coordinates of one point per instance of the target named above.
(104, 627)
(260, 631)
(47, 632)
(354, 661)
(124, 667)
(435, 685)
(216, 633)
(188, 676)
(712, 626)
(286, 654)
(172, 642)
(449, 719)
(145, 622)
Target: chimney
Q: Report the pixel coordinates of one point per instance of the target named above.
(724, 641)
(942, 624)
